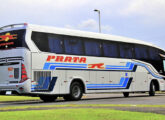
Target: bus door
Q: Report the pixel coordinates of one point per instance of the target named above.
(140, 79)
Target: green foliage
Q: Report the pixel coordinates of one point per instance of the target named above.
(79, 114)
(16, 98)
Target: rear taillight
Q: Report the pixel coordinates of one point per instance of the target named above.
(24, 76)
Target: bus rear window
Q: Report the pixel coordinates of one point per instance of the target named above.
(12, 39)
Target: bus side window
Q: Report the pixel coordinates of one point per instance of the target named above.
(55, 44)
(92, 48)
(141, 52)
(110, 49)
(41, 41)
(154, 54)
(73, 46)
(126, 51)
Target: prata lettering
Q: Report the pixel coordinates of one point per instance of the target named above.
(66, 59)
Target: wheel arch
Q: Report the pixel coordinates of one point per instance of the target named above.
(156, 83)
(80, 81)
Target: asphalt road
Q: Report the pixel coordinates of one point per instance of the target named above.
(134, 99)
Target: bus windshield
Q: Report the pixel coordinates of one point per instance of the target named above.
(12, 39)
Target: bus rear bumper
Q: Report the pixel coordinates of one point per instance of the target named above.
(20, 88)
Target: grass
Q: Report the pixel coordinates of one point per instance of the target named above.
(16, 98)
(79, 114)
(74, 106)
(73, 111)
(4, 98)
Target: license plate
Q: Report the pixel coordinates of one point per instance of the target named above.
(8, 92)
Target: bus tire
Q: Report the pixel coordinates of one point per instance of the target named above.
(152, 89)
(76, 92)
(47, 98)
(126, 94)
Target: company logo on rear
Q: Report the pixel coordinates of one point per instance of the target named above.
(6, 38)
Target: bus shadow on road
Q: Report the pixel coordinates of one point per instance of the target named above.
(84, 100)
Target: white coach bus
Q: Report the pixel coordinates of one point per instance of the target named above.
(50, 62)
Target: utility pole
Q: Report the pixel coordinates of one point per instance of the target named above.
(98, 11)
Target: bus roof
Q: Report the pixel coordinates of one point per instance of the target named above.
(78, 33)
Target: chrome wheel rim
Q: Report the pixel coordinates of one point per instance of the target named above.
(76, 91)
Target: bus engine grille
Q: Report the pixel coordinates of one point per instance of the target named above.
(42, 80)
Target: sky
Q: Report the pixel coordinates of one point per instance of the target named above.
(139, 19)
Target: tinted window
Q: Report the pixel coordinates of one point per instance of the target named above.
(141, 52)
(154, 54)
(55, 44)
(12, 39)
(92, 48)
(73, 46)
(126, 51)
(41, 41)
(110, 49)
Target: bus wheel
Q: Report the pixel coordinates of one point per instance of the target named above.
(46, 98)
(152, 89)
(76, 92)
(126, 94)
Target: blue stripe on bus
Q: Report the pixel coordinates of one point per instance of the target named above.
(122, 84)
(44, 84)
(128, 67)
(53, 66)
(143, 65)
